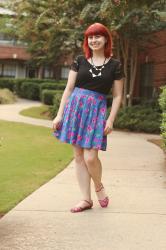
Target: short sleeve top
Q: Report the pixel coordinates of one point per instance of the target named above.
(112, 70)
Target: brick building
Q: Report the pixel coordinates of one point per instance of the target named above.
(151, 72)
(14, 58)
(13, 61)
(13, 55)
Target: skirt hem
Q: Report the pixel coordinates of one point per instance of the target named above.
(82, 146)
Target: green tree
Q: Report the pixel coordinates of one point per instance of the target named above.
(50, 28)
(131, 23)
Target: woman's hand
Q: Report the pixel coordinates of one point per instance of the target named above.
(108, 127)
(56, 122)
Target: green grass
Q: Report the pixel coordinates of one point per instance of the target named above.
(29, 157)
(41, 112)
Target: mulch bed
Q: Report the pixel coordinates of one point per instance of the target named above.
(1, 215)
(156, 141)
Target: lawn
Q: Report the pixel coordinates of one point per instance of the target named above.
(29, 157)
(41, 112)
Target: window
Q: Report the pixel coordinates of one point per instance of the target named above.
(9, 70)
(64, 72)
(48, 73)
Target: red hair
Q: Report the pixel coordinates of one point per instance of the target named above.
(97, 29)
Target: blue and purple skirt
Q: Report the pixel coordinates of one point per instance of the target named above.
(84, 120)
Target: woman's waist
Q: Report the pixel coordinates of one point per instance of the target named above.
(85, 91)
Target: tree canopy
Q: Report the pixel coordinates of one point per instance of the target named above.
(54, 28)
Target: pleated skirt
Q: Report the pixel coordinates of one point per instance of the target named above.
(84, 119)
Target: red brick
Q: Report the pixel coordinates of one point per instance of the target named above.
(8, 52)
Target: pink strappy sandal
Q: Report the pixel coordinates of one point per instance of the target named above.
(80, 209)
(105, 201)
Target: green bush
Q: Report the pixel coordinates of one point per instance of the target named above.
(6, 96)
(56, 103)
(109, 99)
(30, 90)
(162, 103)
(162, 99)
(47, 96)
(138, 118)
(51, 86)
(16, 84)
(20, 90)
(42, 84)
(7, 84)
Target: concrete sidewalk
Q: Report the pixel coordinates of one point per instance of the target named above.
(10, 112)
(134, 176)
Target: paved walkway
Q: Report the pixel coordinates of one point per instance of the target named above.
(134, 175)
(10, 112)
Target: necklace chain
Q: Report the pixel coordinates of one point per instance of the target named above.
(97, 69)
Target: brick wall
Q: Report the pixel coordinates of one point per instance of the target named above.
(156, 53)
(11, 52)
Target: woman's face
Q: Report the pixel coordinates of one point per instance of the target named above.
(96, 42)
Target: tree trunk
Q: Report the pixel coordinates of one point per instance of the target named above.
(124, 44)
(118, 50)
(41, 72)
(133, 71)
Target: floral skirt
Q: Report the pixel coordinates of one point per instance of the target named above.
(84, 120)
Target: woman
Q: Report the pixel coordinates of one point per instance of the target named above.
(81, 118)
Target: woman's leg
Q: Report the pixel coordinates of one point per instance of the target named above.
(83, 176)
(94, 166)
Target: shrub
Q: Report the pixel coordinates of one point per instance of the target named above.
(30, 90)
(162, 98)
(20, 82)
(56, 103)
(52, 86)
(47, 96)
(16, 84)
(7, 84)
(6, 96)
(109, 100)
(42, 84)
(138, 118)
(162, 103)
(61, 82)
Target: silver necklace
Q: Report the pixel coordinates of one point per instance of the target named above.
(96, 68)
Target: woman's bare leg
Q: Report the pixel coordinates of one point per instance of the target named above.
(94, 166)
(83, 176)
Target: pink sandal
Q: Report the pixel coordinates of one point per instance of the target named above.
(105, 201)
(80, 209)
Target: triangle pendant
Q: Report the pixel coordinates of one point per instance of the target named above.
(94, 75)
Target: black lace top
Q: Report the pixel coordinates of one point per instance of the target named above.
(112, 71)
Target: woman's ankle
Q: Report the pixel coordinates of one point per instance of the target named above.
(87, 199)
(99, 187)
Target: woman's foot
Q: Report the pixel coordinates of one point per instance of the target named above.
(102, 197)
(82, 205)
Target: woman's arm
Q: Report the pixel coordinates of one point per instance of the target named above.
(67, 92)
(117, 92)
